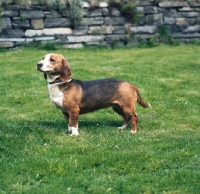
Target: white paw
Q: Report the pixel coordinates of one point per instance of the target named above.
(133, 131)
(69, 129)
(74, 131)
(122, 127)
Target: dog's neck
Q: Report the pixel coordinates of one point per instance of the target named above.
(55, 79)
(52, 78)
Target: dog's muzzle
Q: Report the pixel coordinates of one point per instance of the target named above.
(39, 66)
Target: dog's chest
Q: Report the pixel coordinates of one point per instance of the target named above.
(56, 95)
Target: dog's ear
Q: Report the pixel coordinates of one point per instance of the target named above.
(45, 76)
(65, 71)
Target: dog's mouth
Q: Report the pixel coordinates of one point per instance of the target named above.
(44, 71)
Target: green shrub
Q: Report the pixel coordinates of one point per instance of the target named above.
(76, 11)
(47, 46)
(128, 10)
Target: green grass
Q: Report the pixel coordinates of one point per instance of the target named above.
(37, 156)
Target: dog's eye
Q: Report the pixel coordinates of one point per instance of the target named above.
(52, 60)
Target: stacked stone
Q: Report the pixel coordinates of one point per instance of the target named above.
(103, 25)
(182, 19)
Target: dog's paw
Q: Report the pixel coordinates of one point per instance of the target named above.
(74, 131)
(122, 127)
(69, 129)
(133, 131)
(74, 134)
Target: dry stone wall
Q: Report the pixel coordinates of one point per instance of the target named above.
(102, 25)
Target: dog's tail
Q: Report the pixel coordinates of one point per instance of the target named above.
(141, 102)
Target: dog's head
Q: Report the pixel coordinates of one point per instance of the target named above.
(55, 64)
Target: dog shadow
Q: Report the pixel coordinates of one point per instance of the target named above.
(89, 126)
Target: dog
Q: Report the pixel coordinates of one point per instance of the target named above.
(74, 97)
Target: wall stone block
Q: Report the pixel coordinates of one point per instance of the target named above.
(189, 14)
(150, 10)
(140, 9)
(92, 21)
(18, 23)
(170, 13)
(115, 12)
(80, 30)
(44, 38)
(12, 7)
(37, 24)
(198, 20)
(100, 30)
(105, 12)
(143, 30)
(168, 4)
(194, 4)
(86, 4)
(181, 21)
(56, 22)
(119, 30)
(154, 19)
(6, 44)
(10, 33)
(192, 29)
(144, 3)
(10, 13)
(192, 21)
(169, 21)
(95, 13)
(32, 14)
(52, 14)
(180, 35)
(6, 23)
(145, 36)
(115, 21)
(115, 38)
(186, 9)
(48, 32)
(89, 38)
(103, 4)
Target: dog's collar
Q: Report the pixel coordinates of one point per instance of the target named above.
(59, 81)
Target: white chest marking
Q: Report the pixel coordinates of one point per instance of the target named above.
(56, 95)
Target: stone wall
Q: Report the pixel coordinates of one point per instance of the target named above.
(102, 25)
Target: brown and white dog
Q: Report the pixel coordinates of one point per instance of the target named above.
(74, 97)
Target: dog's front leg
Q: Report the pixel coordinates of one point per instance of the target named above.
(66, 116)
(73, 121)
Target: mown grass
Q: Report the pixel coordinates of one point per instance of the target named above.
(37, 156)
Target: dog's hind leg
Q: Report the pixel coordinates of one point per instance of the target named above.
(126, 118)
(134, 120)
(128, 113)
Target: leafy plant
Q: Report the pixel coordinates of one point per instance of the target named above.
(76, 11)
(60, 5)
(128, 10)
(47, 46)
(23, 17)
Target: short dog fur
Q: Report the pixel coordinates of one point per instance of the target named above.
(74, 97)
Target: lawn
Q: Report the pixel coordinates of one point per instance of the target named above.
(38, 156)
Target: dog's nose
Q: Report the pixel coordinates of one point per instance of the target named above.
(39, 65)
